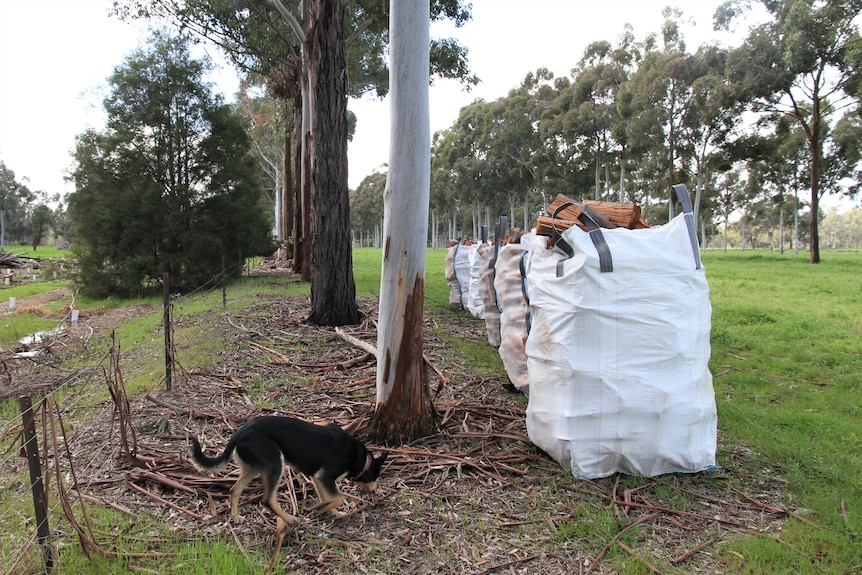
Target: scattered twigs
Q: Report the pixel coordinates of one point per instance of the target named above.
(638, 521)
(508, 564)
(163, 501)
(631, 552)
(691, 552)
(190, 412)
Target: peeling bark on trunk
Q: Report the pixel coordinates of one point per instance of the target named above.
(404, 411)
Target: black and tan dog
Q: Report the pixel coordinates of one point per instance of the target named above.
(324, 453)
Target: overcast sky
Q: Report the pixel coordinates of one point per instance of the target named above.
(55, 57)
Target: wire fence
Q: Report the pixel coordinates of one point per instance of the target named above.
(42, 494)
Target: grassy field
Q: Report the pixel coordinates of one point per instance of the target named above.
(787, 365)
(787, 360)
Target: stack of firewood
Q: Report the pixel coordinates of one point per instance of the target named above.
(564, 212)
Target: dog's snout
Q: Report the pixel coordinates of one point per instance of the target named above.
(369, 487)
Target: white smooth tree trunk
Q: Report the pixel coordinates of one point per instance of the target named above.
(404, 410)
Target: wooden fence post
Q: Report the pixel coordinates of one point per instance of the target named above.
(166, 319)
(223, 287)
(40, 500)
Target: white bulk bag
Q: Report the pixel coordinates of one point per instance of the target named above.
(473, 299)
(487, 293)
(455, 296)
(617, 359)
(458, 266)
(513, 292)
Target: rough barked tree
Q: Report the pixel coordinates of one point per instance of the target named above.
(170, 185)
(802, 63)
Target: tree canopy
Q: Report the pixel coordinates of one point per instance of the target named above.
(635, 116)
(170, 185)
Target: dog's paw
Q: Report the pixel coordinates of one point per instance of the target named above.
(281, 524)
(237, 518)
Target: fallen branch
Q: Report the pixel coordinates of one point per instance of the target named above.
(91, 499)
(143, 474)
(631, 552)
(691, 552)
(364, 345)
(282, 359)
(508, 564)
(779, 510)
(163, 501)
(679, 512)
(182, 410)
(616, 538)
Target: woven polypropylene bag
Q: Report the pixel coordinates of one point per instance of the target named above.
(617, 359)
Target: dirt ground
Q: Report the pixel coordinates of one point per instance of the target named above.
(475, 498)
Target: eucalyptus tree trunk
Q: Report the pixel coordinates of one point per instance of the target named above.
(333, 291)
(404, 411)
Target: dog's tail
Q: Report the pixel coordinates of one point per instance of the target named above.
(209, 464)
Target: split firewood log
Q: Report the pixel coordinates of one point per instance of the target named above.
(619, 214)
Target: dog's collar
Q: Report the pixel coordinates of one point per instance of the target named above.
(368, 460)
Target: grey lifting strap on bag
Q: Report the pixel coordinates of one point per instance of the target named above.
(594, 222)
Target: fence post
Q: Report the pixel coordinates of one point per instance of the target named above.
(40, 500)
(223, 287)
(166, 319)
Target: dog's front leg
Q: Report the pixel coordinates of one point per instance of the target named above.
(330, 498)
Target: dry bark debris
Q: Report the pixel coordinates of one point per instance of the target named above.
(475, 498)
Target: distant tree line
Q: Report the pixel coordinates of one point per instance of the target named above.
(760, 132)
(29, 217)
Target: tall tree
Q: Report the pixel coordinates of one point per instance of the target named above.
(366, 208)
(712, 116)
(798, 63)
(170, 185)
(256, 32)
(266, 130)
(333, 291)
(404, 411)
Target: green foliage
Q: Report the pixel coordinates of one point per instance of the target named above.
(254, 35)
(366, 208)
(26, 214)
(170, 186)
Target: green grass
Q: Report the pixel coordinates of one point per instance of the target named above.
(787, 360)
(50, 252)
(787, 365)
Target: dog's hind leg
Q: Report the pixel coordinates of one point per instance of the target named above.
(330, 498)
(271, 481)
(246, 474)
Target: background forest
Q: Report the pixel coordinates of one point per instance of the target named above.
(761, 132)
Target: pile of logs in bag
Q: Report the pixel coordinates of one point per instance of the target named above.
(604, 323)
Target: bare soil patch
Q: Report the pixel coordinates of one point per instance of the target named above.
(476, 498)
